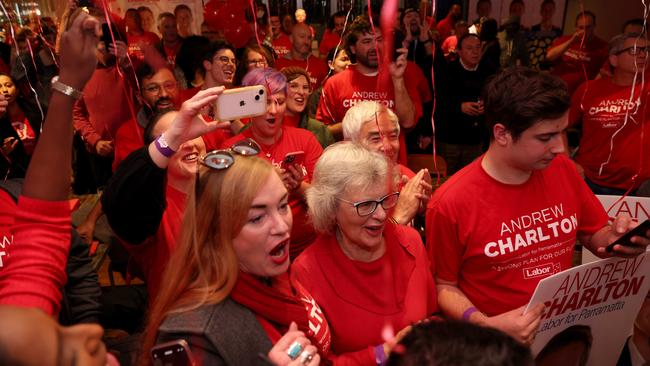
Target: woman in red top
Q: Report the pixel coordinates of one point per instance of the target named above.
(226, 289)
(277, 140)
(19, 128)
(365, 272)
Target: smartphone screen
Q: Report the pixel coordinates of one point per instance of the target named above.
(174, 353)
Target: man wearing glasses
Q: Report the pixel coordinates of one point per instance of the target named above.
(614, 121)
(573, 55)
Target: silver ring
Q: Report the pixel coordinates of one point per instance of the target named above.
(306, 357)
(294, 350)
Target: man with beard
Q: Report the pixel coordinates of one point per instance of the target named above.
(158, 92)
(414, 35)
(301, 56)
(446, 25)
(280, 40)
(392, 86)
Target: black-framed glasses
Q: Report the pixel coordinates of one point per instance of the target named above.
(634, 50)
(223, 158)
(226, 60)
(366, 208)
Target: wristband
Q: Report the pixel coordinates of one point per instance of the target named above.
(163, 147)
(469, 313)
(65, 89)
(380, 356)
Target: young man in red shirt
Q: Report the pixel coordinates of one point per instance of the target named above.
(332, 35)
(279, 39)
(573, 55)
(301, 56)
(512, 217)
(613, 125)
(393, 85)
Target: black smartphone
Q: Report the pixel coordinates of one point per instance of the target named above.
(174, 353)
(625, 239)
(106, 34)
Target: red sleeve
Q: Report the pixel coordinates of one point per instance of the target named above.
(444, 249)
(324, 112)
(575, 111)
(42, 241)
(414, 92)
(82, 123)
(421, 82)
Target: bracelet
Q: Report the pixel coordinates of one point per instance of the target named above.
(65, 89)
(163, 147)
(469, 313)
(380, 356)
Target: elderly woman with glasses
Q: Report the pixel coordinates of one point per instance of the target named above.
(365, 272)
(279, 143)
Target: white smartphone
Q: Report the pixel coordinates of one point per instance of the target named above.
(249, 101)
(174, 353)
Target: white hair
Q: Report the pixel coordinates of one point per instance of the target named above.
(362, 113)
(343, 166)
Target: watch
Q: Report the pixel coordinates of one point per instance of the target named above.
(66, 89)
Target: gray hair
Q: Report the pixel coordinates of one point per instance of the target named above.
(362, 113)
(617, 43)
(343, 166)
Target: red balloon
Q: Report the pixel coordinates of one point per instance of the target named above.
(211, 13)
(239, 34)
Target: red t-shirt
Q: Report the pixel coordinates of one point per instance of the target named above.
(576, 60)
(315, 67)
(497, 241)
(444, 28)
(349, 87)
(330, 40)
(186, 94)
(282, 45)
(602, 107)
(292, 140)
(137, 41)
(154, 254)
(129, 137)
(34, 273)
(359, 299)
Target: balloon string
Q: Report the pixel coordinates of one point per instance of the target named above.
(13, 36)
(338, 45)
(118, 67)
(433, 109)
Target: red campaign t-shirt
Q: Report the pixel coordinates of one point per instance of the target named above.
(315, 67)
(292, 140)
(152, 256)
(497, 241)
(602, 106)
(7, 213)
(282, 45)
(170, 53)
(137, 41)
(25, 132)
(330, 40)
(576, 60)
(349, 87)
(359, 299)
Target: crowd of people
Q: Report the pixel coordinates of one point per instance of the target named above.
(290, 237)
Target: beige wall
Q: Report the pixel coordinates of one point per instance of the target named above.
(610, 14)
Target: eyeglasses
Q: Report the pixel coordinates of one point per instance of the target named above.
(155, 88)
(261, 63)
(224, 159)
(226, 60)
(366, 208)
(634, 50)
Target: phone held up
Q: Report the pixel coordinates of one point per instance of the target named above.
(624, 240)
(237, 103)
(174, 353)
